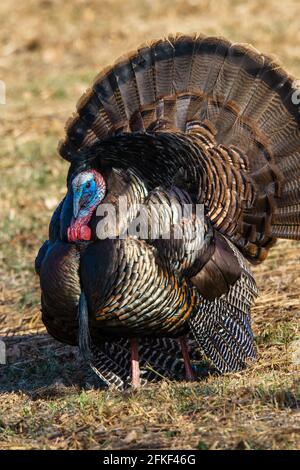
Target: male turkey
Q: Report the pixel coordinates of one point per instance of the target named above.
(185, 120)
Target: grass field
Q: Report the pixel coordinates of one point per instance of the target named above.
(49, 52)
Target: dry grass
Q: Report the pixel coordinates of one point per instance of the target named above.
(50, 50)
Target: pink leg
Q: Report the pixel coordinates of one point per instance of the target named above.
(189, 374)
(135, 368)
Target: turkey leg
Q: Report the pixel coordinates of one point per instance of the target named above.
(189, 374)
(135, 368)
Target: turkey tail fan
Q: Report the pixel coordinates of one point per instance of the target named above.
(195, 86)
(222, 327)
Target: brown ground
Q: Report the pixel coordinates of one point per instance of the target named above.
(49, 52)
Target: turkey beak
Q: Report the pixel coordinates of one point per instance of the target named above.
(76, 204)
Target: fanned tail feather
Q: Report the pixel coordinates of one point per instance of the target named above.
(182, 81)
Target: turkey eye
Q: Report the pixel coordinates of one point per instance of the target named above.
(88, 185)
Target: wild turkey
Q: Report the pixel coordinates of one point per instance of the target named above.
(188, 120)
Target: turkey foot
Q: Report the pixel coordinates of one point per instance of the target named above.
(135, 368)
(189, 374)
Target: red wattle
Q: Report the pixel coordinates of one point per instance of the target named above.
(85, 233)
(79, 232)
(69, 233)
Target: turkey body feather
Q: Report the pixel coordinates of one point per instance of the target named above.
(184, 121)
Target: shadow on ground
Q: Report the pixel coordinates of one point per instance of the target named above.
(42, 367)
